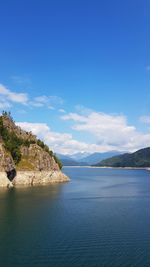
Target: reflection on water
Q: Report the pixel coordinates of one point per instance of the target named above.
(100, 218)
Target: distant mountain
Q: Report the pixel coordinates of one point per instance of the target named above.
(97, 157)
(79, 156)
(62, 156)
(140, 158)
(68, 161)
(83, 159)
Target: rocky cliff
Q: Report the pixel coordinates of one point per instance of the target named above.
(24, 159)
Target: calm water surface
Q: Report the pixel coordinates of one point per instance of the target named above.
(101, 218)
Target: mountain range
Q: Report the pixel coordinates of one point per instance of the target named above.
(140, 158)
(85, 159)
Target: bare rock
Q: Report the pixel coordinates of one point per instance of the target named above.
(32, 178)
(34, 158)
(4, 181)
(6, 161)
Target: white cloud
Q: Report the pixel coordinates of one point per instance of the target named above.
(145, 119)
(120, 137)
(13, 96)
(49, 101)
(108, 131)
(59, 142)
(111, 131)
(8, 98)
(61, 110)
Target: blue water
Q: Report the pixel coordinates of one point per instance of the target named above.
(100, 218)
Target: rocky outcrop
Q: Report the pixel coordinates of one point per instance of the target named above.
(6, 161)
(24, 159)
(33, 178)
(12, 127)
(36, 159)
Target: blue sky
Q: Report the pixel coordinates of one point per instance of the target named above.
(77, 73)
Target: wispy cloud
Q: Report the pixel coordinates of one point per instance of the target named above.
(61, 110)
(13, 97)
(49, 101)
(9, 97)
(23, 80)
(145, 119)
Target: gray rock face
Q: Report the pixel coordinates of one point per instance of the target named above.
(2, 158)
(6, 161)
(33, 178)
(9, 164)
(36, 159)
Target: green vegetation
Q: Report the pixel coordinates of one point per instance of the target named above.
(58, 161)
(7, 115)
(140, 158)
(50, 152)
(45, 147)
(25, 164)
(11, 141)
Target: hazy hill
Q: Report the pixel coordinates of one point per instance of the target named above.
(69, 161)
(79, 156)
(81, 159)
(97, 157)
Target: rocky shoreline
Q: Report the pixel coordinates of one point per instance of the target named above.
(33, 178)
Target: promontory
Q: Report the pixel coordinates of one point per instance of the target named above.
(24, 159)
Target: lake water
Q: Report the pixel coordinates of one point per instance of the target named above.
(99, 219)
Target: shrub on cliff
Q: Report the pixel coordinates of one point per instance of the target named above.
(11, 142)
(50, 152)
(58, 161)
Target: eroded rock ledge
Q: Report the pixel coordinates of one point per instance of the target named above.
(33, 178)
